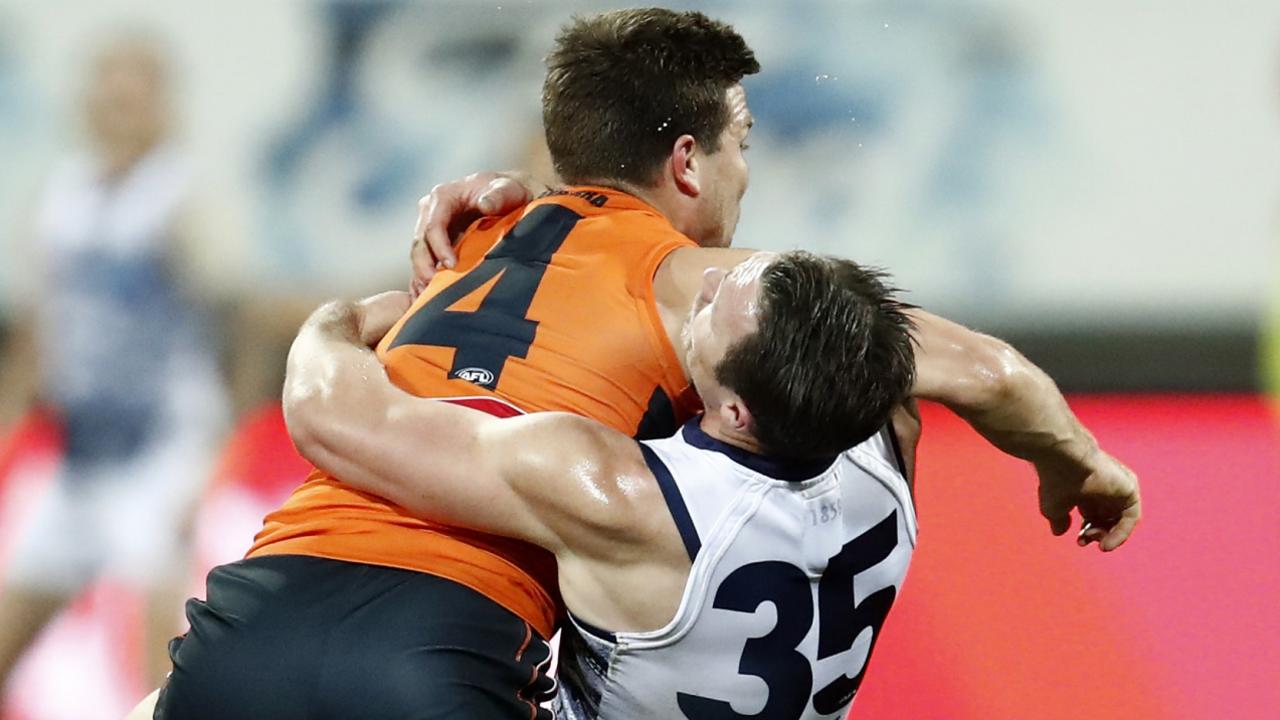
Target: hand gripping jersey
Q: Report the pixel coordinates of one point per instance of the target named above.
(549, 308)
(794, 569)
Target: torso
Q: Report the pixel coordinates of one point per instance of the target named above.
(559, 315)
(125, 355)
(793, 571)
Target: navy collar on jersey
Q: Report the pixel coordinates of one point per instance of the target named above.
(771, 467)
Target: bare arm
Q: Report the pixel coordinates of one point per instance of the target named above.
(1006, 398)
(345, 416)
(449, 208)
(1010, 401)
(1002, 395)
(553, 479)
(1018, 408)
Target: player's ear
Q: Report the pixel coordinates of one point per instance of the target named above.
(734, 413)
(684, 162)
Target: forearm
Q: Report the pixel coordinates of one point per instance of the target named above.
(341, 410)
(1001, 394)
(1028, 416)
(345, 416)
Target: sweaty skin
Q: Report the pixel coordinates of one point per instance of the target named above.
(1003, 396)
(566, 483)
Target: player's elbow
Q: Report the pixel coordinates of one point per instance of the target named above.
(996, 374)
(309, 415)
(301, 419)
(321, 437)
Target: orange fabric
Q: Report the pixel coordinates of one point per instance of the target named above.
(599, 350)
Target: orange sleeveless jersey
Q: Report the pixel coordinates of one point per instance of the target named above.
(549, 308)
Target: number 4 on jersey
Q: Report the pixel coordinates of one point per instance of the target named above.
(498, 329)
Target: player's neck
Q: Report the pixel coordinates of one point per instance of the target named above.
(678, 209)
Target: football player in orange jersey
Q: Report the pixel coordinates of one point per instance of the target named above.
(349, 606)
(646, 533)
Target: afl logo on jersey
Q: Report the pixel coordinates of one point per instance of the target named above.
(474, 375)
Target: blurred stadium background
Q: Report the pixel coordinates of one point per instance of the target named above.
(1098, 182)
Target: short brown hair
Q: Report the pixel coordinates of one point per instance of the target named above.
(622, 85)
(831, 358)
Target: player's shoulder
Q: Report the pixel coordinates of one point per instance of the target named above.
(592, 471)
(548, 441)
(641, 230)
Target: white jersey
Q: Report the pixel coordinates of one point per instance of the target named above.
(127, 363)
(794, 570)
(126, 355)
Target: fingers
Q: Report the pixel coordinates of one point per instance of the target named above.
(450, 207)
(435, 212)
(1089, 533)
(422, 267)
(1056, 510)
(1059, 524)
(442, 208)
(501, 196)
(1122, 529)
(1110, 502)
(1111, 535)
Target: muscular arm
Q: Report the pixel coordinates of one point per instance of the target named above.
(1007, 399)
(552, 479)
(1002, 395)
(1018, 408)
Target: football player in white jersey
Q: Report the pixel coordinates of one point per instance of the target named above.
(671, 550)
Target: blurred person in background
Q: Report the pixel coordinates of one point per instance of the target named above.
(113, 339)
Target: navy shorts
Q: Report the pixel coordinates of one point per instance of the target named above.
(301, 638)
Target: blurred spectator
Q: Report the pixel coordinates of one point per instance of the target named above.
(114, 339)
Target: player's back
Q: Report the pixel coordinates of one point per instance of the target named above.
(824, 544)
(550, 308)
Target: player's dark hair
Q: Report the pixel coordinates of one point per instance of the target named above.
(831, 358)
(622, 86)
